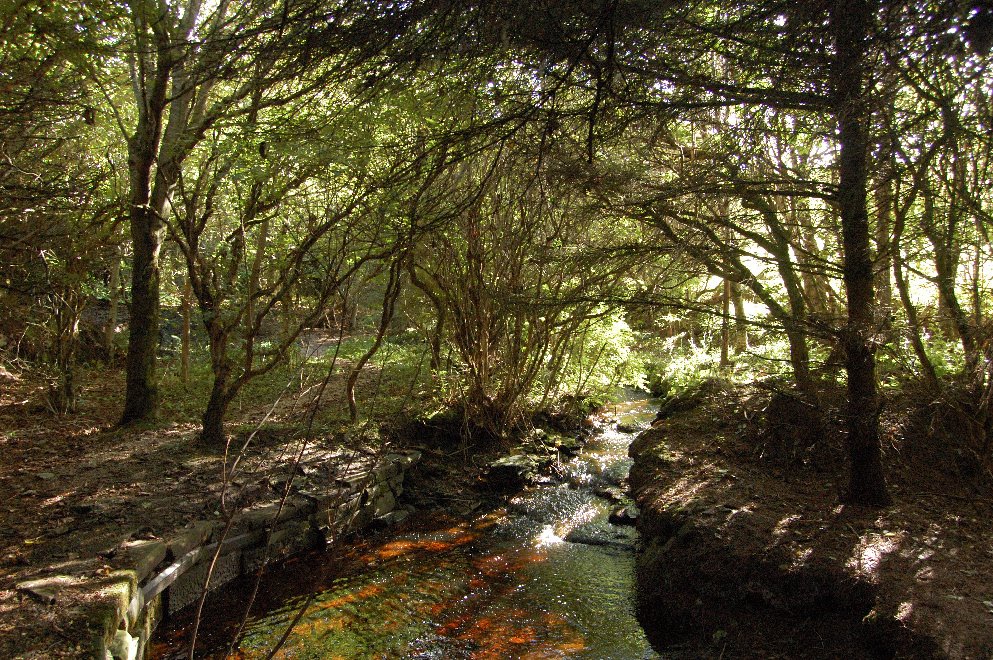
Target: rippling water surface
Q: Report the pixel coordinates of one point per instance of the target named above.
(549, 577)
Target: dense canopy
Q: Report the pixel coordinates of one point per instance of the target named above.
(541, 200)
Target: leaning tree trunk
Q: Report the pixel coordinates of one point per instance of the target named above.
(849, 20)
(221, 395)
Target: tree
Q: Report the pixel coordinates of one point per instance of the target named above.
(851, 22)
(192, 67)
(58, 211)
(775, 57)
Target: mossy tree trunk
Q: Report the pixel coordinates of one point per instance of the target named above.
(221, 395)
(155, 155)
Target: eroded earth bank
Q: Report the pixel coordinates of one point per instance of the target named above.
(748, 553)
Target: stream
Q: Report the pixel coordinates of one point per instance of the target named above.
(545, 577)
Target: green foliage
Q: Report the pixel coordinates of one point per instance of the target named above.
(602, 357)
(674, 364)
(531, 204)
(945, 354)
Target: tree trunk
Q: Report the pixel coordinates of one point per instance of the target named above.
(884, 246)
(849, 22)
(161, 49)
(440, 313)
(946, 263)
(725, 322)
(184, 358)
(393, 288)
(141, 395)
(147, 228)
(799, 356)
(914, 326)
(740, 319)
(212, 433)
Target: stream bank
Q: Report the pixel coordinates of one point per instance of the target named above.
(544, 573)
(327, 493)
(748, 554)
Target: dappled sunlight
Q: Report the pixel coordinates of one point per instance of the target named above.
(870, 551)
(511, 583)
(782, 527)
(367, 591)
(406, 546)
(439, 542)
(506, 563)
(57, 499)
(685, 488)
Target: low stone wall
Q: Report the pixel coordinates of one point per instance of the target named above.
(163, 576)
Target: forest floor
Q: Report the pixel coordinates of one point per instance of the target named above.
(753, 555)
(76, 489)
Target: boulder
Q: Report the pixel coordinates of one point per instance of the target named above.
(568, 446)
(510, 472)
(611, 493)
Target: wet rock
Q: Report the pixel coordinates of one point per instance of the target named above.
(393, 517)
(383, 503)
(610, 493)
(600, 535)
(625, 515)
(616, 473)
(568, 446)
(465, 507)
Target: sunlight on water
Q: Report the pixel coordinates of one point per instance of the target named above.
(548, 537)
(549, 577)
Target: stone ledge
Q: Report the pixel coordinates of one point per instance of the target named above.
(159, 577)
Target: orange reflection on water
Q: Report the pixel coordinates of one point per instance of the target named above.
(368, 591)
(491, 565)
(513, 633)
(405, 546)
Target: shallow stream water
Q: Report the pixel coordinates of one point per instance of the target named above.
(546, 577)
